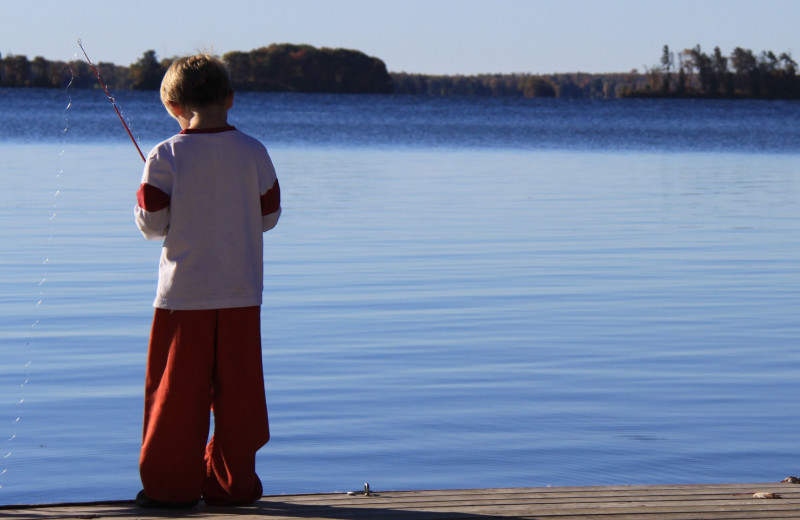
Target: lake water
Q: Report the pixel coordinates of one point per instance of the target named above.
(461, 292)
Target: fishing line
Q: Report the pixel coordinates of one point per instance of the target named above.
(6, 454)
(111, 99)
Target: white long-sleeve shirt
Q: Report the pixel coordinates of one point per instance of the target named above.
(210, 194)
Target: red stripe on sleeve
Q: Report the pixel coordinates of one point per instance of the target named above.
(271, 200)
(151, 198)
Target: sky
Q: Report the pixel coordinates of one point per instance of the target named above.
(416, 36)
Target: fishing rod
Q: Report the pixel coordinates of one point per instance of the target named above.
(111, 98)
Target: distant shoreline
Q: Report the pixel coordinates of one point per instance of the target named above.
(307, 69)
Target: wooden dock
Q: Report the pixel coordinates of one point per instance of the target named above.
(656, 502)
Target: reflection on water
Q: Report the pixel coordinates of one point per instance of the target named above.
(425, 122)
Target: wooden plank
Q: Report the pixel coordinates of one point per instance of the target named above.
(673, 502)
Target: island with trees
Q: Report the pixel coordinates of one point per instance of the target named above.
(690, 73)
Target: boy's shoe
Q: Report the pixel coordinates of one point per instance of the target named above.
(144, 501)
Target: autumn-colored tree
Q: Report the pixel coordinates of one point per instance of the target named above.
(680, 86)
(16, 71)
(238, 64)
(81, 75)
(538, 87)
(40, 73)
(789, 65)
(723, 82)
(667, 65)
(147, 72)
(745, 66)
(115, 76)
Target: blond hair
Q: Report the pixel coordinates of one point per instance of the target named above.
(196, 81)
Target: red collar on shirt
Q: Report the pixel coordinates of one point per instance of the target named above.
(208, 130)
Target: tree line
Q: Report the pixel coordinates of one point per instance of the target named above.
(693, 73)
(304, 68)
(742, 74)
(276, 68)
(573, 85)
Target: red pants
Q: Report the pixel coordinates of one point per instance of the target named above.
(198, 362)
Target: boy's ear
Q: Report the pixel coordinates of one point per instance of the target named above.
(229, 101)
(175, 108)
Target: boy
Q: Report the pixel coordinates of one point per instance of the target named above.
(209, 193)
